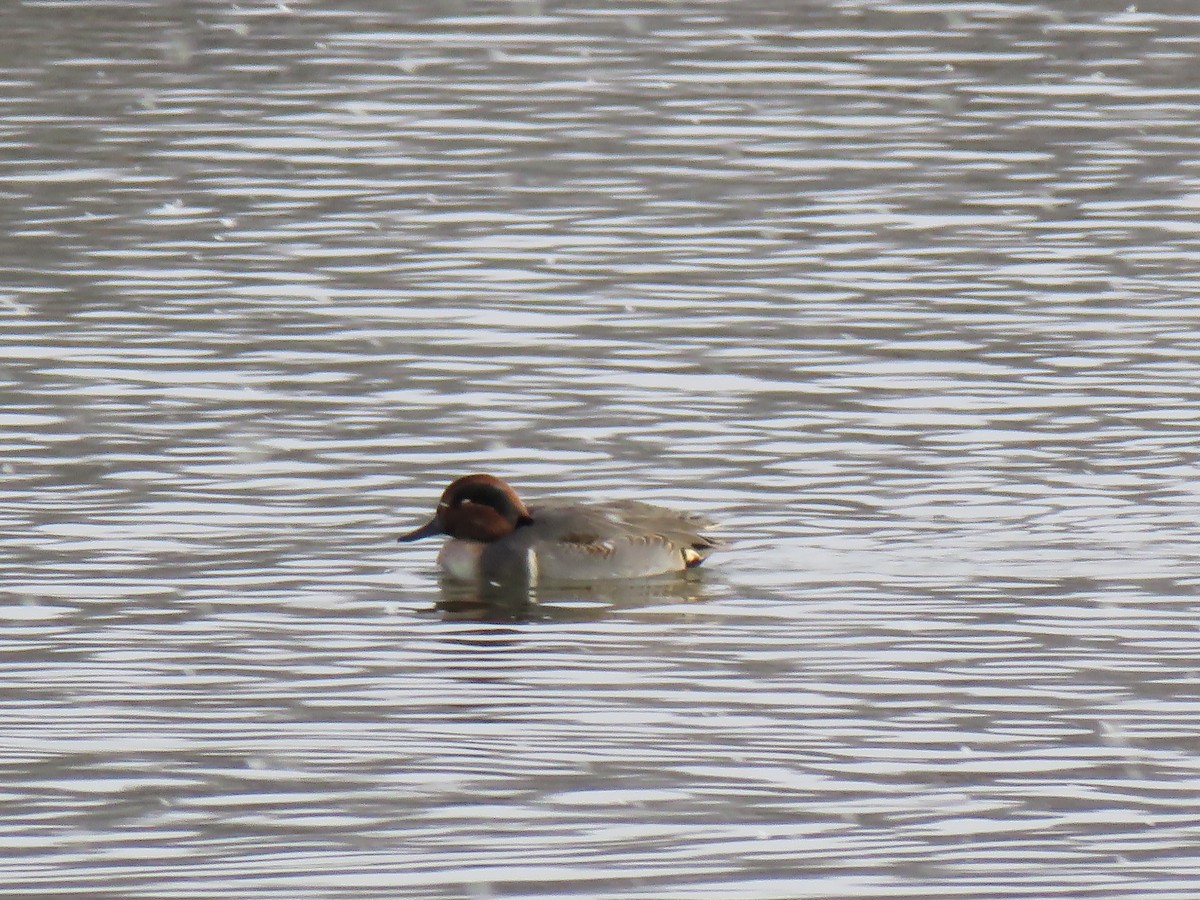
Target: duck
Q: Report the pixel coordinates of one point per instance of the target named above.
(493, 537)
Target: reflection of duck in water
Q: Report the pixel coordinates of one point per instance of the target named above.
(494, 537)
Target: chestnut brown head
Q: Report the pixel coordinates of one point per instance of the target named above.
(475, 508)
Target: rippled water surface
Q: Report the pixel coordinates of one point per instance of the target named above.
(904, 293)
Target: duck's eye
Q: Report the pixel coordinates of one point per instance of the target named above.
(483, 495)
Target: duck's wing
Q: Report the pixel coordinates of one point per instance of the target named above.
(579, 524)
(624, 539)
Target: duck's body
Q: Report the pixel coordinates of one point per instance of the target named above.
(494, 537)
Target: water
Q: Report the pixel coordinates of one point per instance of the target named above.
(904, 293)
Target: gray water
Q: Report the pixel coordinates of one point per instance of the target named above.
(904, 293)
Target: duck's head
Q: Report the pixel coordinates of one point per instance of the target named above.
(475, 508)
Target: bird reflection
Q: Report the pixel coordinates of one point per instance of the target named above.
(490, 602)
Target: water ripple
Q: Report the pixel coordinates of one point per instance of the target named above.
(903, 293)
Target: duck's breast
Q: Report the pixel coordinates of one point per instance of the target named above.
(460, 559)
